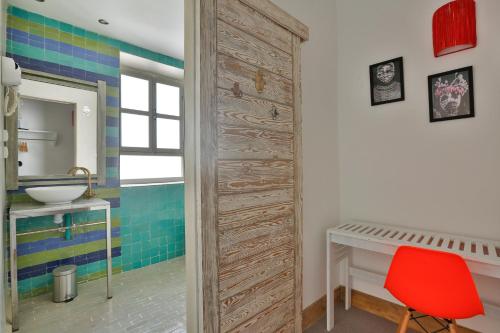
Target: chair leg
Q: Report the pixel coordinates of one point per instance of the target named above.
(453, 327)
(403, 324)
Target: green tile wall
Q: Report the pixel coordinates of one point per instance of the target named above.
(152, 224)
(147, 222)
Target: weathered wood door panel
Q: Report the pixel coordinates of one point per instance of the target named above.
(248, 20)
(253, 167)
(237, 176)
(230, 71)
(248, 111)
(243, 46)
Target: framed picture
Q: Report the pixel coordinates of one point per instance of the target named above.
(451, 95)
(387, 82)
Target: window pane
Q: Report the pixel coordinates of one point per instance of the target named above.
(168, 134)
(167, 99)
(134, 93)
(149, 167)
(134, 130)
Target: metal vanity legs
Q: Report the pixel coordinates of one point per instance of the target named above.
(13, 254)
(109, 258)
(13, 274)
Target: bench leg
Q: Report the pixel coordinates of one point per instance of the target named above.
(330, 297)
(347, 280)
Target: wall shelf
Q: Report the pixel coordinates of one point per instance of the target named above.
(37, 135)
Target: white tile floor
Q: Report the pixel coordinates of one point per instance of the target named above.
(151, 299)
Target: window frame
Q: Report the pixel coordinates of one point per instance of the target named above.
(152, 115)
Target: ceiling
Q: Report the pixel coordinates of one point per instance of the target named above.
(146, 65)
(157, 25)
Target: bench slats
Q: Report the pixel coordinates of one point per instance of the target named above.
(477, 250)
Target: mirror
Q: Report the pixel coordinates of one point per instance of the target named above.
(58, 126)
(57, 129)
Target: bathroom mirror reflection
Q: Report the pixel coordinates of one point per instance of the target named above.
(57, 129)
(59, 125)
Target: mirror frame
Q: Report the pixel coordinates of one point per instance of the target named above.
(13, 180)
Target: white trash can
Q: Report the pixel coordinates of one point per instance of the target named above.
(64, 283)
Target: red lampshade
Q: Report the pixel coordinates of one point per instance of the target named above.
(454, 27)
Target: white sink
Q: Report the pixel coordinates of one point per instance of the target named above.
(56, 195)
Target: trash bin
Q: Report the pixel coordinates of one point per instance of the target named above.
(64, 283)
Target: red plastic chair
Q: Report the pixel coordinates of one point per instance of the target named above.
(433, 283)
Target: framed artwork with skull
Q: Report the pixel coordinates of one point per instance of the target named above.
(451, 95)
(387, 82)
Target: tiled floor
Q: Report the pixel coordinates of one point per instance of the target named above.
(355, 321)
(150, 299)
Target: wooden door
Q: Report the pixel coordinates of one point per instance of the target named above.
(251, 176)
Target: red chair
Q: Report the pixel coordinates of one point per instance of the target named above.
(433, 283)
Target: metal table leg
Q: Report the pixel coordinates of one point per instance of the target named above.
(108, 250)
(13, 274)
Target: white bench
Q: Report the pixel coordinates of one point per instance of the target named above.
(482, 256)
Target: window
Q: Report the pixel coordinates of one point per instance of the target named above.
(151, 129)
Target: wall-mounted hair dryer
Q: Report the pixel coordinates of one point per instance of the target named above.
(11, 79)
(11, 72)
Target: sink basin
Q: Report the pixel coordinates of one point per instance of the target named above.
(56, 195)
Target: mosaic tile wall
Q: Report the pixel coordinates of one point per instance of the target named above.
(152, 224)
(40, 43)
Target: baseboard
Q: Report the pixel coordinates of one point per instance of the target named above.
(374, 305)
(317, 310)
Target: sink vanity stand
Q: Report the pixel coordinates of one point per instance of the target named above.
(25, 210)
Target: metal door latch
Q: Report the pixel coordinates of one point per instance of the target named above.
(274, 112)
(236, 90)
(260, 83)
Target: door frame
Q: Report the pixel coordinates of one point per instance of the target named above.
(192, 174)
(200, 285)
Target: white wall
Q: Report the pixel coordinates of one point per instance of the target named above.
(319, 136)
(395, 166)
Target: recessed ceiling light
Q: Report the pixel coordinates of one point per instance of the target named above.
(103, 21)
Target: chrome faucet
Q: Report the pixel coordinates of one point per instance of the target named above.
(89, 193)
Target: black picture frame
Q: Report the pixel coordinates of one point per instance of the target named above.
(451, 95)
(388, 90)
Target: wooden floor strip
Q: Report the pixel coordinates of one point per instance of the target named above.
(374, 305)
